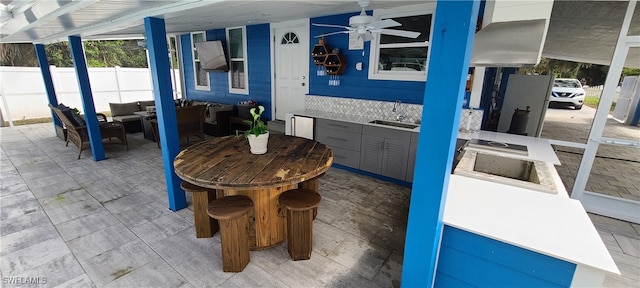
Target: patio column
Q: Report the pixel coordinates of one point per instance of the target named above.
(48, 82)
(451, 43)
(89, 108)
(165, 109)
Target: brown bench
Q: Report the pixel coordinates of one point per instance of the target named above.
(205, 226)
(300, 205)
(232, 212)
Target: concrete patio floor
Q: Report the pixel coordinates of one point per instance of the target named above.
(80, 223)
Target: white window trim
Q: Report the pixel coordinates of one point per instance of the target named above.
(193, 61)
(374, 74)
(244, 58)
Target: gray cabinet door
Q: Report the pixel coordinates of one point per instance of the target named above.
(394, 160)
(411, 162)
(371, 154)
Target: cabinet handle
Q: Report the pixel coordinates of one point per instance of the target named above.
(339, 156)
(339, 139)
(336, 125)
(293, 126)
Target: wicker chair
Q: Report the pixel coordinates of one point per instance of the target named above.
(190, 122)
(78, 135)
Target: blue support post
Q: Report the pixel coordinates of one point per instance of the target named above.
(48, 81)
(165, 109)
(80, 65)
(636, 116)
(451, 43)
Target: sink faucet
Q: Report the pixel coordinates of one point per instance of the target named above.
(396, 108)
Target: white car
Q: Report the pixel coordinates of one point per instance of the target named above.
(567, 92)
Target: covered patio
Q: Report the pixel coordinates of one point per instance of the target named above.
(106, 223)
(81, 223)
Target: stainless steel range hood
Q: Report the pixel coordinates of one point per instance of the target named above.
(509, 44)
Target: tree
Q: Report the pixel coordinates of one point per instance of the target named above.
(558, 68)
(21, 54)
(125, 53)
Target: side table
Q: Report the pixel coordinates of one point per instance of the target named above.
(146, 124)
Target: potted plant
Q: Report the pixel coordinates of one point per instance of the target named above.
(258, 133)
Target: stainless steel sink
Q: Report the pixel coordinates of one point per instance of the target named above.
(394, 124)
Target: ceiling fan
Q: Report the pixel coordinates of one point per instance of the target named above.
(365, 25)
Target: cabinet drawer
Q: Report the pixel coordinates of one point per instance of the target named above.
(339, 125)
(339, 139)
(346, 157)
(387, 133)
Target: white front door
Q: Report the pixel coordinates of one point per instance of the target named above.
(291, 62)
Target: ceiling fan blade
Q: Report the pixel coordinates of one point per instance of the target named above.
(386, 23)
(367, 36)
(330, 25)
(401, 33)
(332, 33)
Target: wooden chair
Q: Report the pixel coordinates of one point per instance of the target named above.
(232, 213)
(300, 205)
(190, 122)
(205, 226)
(78, 134)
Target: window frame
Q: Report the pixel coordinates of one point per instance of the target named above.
(374, 47)
(194, 60)
(244, 59)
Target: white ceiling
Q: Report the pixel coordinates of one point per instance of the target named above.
(583, 31)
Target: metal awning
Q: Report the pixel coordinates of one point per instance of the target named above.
(583, 31)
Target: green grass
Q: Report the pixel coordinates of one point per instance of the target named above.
(28, 121)
(40, 120)
(593, 101)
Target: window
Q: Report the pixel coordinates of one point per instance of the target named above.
(289, 38)
(172, 46)
(238, 82)
(201, 76)
(400, 58)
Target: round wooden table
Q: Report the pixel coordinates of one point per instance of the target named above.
(227, 165)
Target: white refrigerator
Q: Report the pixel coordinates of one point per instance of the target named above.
(523, 91)
(300, 126)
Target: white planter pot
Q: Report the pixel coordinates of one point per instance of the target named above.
(258, 144)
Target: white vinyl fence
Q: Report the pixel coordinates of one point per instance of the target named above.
(24, 96)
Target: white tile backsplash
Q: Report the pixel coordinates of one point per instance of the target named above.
(470, 120)
(364, 108)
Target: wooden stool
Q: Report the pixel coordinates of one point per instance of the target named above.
(300, 205)
(205, 226)
(232, 213)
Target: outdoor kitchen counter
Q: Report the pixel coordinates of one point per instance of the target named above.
(555, 226)
(350, 118)
(539, 148)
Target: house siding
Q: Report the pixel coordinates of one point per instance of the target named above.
(471, 260)
(259, 70)
(354, 83)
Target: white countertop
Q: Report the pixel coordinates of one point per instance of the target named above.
(538, 148)
(350, 119)
(537, 221)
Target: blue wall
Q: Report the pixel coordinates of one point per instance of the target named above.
(355, 84)
(470, 260)
(259, 55)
